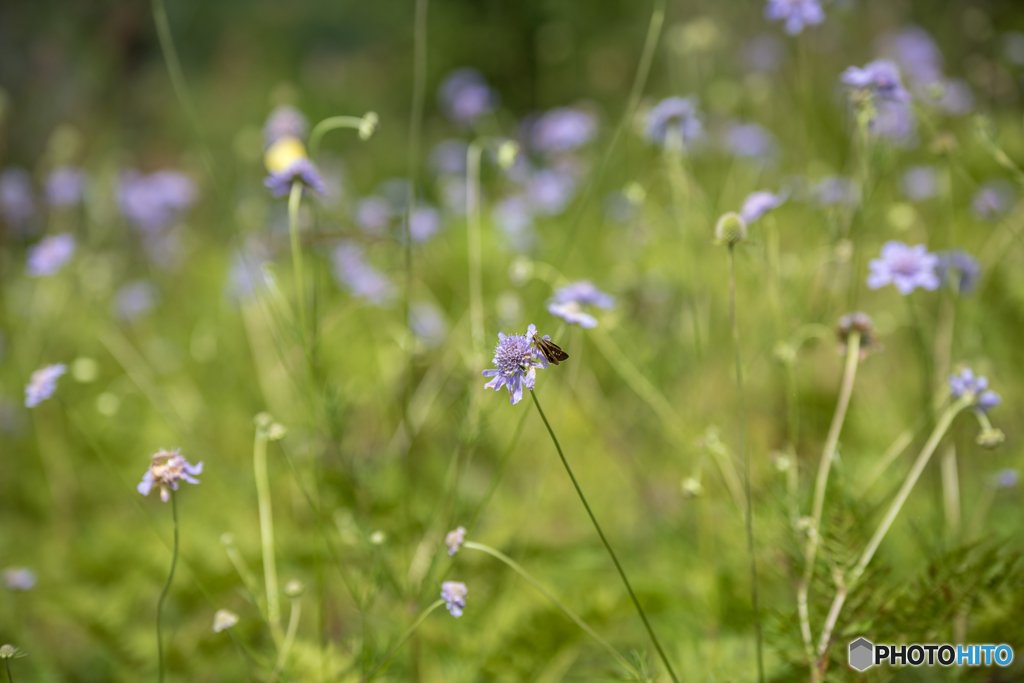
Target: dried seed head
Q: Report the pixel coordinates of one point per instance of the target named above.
(990, 437)
(731, 229)
(862, 324)
(276, 431)
(368, 126)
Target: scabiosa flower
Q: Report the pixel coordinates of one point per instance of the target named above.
(153, 202)
(166, 469)
(50, 255)
(464, 96)
(759, 203)
(678, 115)
(992, 200)
(881, 78)
(750, 140)
(920, 183)
(19, 579)
(362, 280)
(65, 186)
(16, 203)
(904, 267)
(424, 223)
(584, 292)
(862, 323)
(454, 539)
(517, 360)
(959, 268)
(796, 13)
(916, 53)
(284, 121)
(301, 170)
(449, 157)
(563, 129)
(966, 383)
(43, 384)
(894, 122)
(134, 299)
(454, 595)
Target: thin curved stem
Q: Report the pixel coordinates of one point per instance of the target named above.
(746, 460)
(401, 641)
(557, 603)
(604, 540)
(259, 458)
(289, 639)
(294, 202)
(167, 586)
(329, 124)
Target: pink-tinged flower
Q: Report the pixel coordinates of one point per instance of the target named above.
(454, 595)
(904, 267)
(166, 469)
(517, 361)
(43, 384)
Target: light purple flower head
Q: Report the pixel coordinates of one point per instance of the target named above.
(1007, 478)
(572, 313)
(904, 267)
(584, 292)
(362, 280)
(428, 323)
(152, 202)
(16, 202)
(763, 53)
(966, 383)
(373, 215)
(676, 114)
(302, 170)
(65, 186)
(957, 98)
(920, 183)
(959, 268)
(454, 595)
(50, 255)
(563, 129)
(750, 140)
(549, 191)
(517, 361)
(43, 384)
(454, 539)
(992, 200)
(135, 299)
(881, 78)
(917, 54)
(449, 157)
(19, 579)
(894, 122)
(514, 217)
(834, 190)
(165, 470)
(424, 223)
(759, 203)
(796, 13)
(284, 121)
(464, 96)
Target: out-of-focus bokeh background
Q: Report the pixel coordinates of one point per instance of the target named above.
(140, 248)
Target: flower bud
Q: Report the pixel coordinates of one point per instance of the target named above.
(223, 620)
(368, 126)
(731, 229)
(263, 420)
(8, 651)
(276, 431)
(508, 151)
(692, 487)
(294, 588)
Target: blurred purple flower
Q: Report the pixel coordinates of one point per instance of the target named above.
(966, 383)
(135, 299)
(573, 314)
(881, 78)
(464, 96)
(43, 384)
(19, 579)
(957, 98)
(959, 268)
(152, 202)
(550, 191)
(428, 323)
(904, 267)
(796, 13)
(373, 215)
(362, 280)
(563, 129)
(515, 219)
(50, 255)
(992, 200)
(283, 122)
(894, 122)
(517, 361)
(424, 223)
(65, 186)
(454, 595)
(834, 190)
(759, 203)
(1007, 478)
(301, 170)
(764, 53)
(917, 54)
(449, 157)
(16, 202)
(584, 292)
(165, 470)
(678, 115)
(454, 540)
(750, 140)
(920, 183)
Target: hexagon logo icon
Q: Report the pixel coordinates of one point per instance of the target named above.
(861, 651)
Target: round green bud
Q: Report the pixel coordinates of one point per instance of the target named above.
(369, 125)
(731, 229)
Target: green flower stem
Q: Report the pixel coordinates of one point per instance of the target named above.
(259, 458)
(945, 420)
(608, 547)
(555, 601)
(746, 461)
(7, 664)
(294, 201)
(289, 639)
(167, 586)
(401, 641)
(926, 360)
(827, 455)
(329, 124)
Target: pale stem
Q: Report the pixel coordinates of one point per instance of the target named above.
(950, 491)
(294, 201)
(327, 125)
(289, 639)
(167, 587)
(259, 457)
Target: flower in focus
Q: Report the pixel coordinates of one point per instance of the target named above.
(152, 202)
(284, 122)
(464, 96)
(50, 255)
(16, 202)
(563, 129)
(454, 595)
(750, 141)
(42, 384)
(960, 269)
(796, 13)
(880, 78)
(992, 200)
(134, 299)
(676, 120)
(224, 619)
(65, 186)
(454, 539)
(759, 203)
(302, 171)
(362, 279)
(19, 579)
(920, 183)
(517, 360)
(904, 267)
(8, 651)
(862, 324)
(166, 469)
(966, 383)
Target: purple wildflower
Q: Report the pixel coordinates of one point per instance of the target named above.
(759, 203)
(894, 122)
(763, 53)
(584, 292)
(916, 53)
(464, 96)
(881, 78)
(152, 202)
(16, 203)
(449, 157)
(43, 384)
(19, 579)
(301, 170)
(135, 299)
(796, 13)
(454, 595)
(284, 122)
(904, 267)
(920, 183)
(966, 383)
(362, 280)
(550, 191)
(517, 360)
(1007, 478)
(563, 129)
(678, 115)
(750, 140)
(65, 186)
(166, 469)
(454, 539)
(50, 255)
(373, 215)
(960, 269)
(992, 200)
(424, 223)
(572, 313)
(515, 219)
(957, 98)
